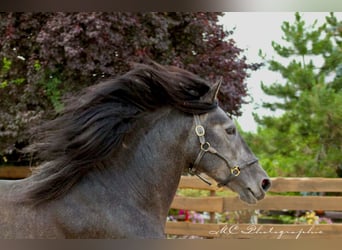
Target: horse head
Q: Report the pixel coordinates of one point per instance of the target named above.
(223, 154)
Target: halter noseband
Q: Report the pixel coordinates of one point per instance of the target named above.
(205, 146)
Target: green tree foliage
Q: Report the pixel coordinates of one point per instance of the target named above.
(45, 56)
(307, 139)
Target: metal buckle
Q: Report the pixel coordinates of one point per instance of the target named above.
(235, 171)
(200, 131)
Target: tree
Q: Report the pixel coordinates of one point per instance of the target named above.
(46, 56)
(307, 139)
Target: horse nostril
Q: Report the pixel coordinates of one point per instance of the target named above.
(266, 184)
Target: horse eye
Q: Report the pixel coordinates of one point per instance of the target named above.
(231, 131)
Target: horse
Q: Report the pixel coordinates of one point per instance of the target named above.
(111, 161)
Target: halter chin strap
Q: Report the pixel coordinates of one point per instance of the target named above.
(206, 147)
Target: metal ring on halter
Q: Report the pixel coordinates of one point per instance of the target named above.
(205, 146)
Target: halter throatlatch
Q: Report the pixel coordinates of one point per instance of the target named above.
(205, 147)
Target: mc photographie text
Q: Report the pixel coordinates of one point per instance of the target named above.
(262, 230)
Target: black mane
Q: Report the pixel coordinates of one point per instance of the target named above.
(94, 123)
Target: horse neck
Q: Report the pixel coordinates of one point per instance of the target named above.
(149, 164)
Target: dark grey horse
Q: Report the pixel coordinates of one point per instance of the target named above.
(114, 157)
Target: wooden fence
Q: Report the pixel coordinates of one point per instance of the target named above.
(273, 201)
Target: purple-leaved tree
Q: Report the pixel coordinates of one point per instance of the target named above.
(45, 56)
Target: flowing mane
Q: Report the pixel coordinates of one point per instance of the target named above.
(94, 123)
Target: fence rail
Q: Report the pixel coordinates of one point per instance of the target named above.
(279, 184)
(258, 231)
(14, 172)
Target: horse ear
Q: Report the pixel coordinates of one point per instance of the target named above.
(211, 96)
(217, 87)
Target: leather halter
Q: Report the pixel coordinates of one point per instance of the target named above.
(205, 147)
